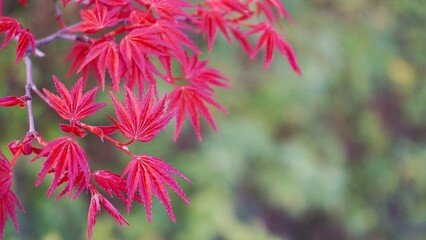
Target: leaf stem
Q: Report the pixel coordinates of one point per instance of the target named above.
(120, 145)
(39, 93)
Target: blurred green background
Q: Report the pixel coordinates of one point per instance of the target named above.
(339, 153)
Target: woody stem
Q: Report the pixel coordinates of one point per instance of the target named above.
(64, 33)
(28, 89)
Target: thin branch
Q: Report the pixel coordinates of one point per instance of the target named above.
(74, 37)
(28, 89)
(64, 33)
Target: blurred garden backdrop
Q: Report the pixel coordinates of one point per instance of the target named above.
(338, 153)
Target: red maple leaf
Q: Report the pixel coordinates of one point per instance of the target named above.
(8, 200)
(136, 47)
(97, 18)
(10, 26)
(144, 40)
(112, 183)
(65, 158)
(167, 9)
(79, 184)
(149, 175)
(191, 100)
(104, 53)
(26, 41)
(77, 54)
(228, 6)
(272, 39)
(210, 21)
(170, 31)
(8, 203)
(96, 202)
(115, 3)
(5, 175)
(265, 7)
(140, 120)
(282, 12)
(200, 75)
(73, 105)
(242, 39)
(141, 73)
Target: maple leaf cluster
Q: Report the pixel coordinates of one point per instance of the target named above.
(131, 45)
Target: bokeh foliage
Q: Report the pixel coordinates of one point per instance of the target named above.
(339, 153)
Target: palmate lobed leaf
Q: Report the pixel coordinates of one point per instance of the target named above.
(271, 39)
(73, 105)
(168, 9)
(77, 54)
(171, 32)
(115, 3)
(242, 39)
(5, 175)
(112, 183)
(97, 200)
(282, 11)
(229, 6)
(191, 100)
(211, 20)
(266, 7)
(200, 75)
(8, 200)
(145, 40)
(66, 160)
(96, 19)
(147, 175)
(105, 55)
(136, 48)
(11, 27)
(79, 184)
(141, 120)
(8, 203)
(26, 41)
